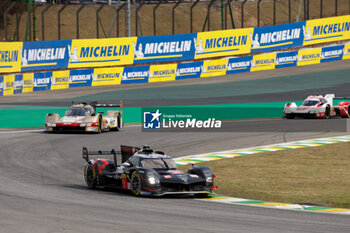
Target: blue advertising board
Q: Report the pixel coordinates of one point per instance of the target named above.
(239, 64)
(80, 78)
(332, 53)
(164, 48)
(42, 81)
(286, 59)
(277, 37)
(46, 55)
(1, 85)
(136, 74)
(18, 85)
(189, 70)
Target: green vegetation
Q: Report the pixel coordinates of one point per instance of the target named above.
(319, 175)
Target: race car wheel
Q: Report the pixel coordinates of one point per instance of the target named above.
(327, 112)
(136, 183)
(99, 127)
(119, 122)
(348, 113)
(89, 176)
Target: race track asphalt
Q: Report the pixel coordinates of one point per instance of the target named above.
(43, 189)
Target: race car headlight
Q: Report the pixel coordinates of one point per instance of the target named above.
(152, 179)
(82, 125)
(51, 124)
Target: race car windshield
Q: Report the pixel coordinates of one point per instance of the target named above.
(76, 112)
(310, 102)
(159, 163)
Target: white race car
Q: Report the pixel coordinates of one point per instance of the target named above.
(83, 117)
(317, 106)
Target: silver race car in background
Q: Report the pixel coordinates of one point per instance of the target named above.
(317, 106)
(83, 116)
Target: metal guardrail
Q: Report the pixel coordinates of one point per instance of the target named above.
(232, 13)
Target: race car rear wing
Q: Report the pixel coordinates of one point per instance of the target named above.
(95, 105)
(113, 152)
(126, 152)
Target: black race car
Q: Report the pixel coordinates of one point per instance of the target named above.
(145, 172)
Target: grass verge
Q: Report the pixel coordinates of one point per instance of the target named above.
(318, 175)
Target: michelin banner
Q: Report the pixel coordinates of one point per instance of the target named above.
(47, 55)
(239, 64)
(151, 49)
(162, 73)
(90, 53)
(309, 56)
(18, 84)
(28, 79)
(10, 60)
(346, 52)
(135, 74)
(277, 37)
(60, 80)
(223, 43)
(101, 52)
(188, 70)
(263, 62)
(326, 30)
(8, 87)
(81, 78)
(286, 59)
(214, 68)
(42, 81)
(332, 53)
(1, 85)
(107, 76)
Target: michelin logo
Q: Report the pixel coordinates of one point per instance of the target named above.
(288, 59)
(188, 70)
(307, 34)
(57, 80)
(198, 47)
(160, 73)
(77, 78)
(137, 74)
(331, 28)
(24, 60)
(275, 37)
(18, 84)
(41, 81)
(162, 47)
(151, 120)
(263, 62)
(102, 77)
(308, 57)
(235, 65)
(334, 53)
(45, 54)
(8, 56)
(73, 56)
